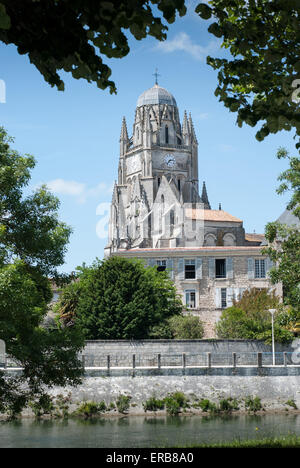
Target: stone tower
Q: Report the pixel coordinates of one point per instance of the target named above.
(157, 175)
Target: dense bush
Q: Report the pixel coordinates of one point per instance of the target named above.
(186, 327)
(172, 406)
(207, 406)
(153, 404)
(88, 409)
(180, 327)
(253, 404)
(122, 403)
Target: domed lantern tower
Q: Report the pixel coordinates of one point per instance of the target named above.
(158, 166)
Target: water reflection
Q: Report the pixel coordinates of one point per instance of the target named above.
(147, 431)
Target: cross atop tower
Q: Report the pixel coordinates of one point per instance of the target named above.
(156, 74)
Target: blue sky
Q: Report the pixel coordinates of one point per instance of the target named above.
(74, 135)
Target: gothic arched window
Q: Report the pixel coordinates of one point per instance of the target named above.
(167, 134)
(172, 221)
(161, 213)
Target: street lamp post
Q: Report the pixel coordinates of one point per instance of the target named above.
(272, 312)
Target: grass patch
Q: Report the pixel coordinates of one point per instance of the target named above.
(290, 441)
(153, 404)
(88, 409)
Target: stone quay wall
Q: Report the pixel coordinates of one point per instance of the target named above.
(273, 385)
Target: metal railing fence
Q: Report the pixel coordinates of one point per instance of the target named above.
(141, 360)
(187, 360)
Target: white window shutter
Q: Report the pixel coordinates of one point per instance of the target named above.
(170, 267)
(180, 268)
(229, 298)
(218, 298)
(250, 268)
(269, 264)
(211, 268)
(229, 268)
(236, 294)
(199, 268)
(241, 292)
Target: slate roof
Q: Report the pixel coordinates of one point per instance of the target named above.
(287, 217)
(156, 95)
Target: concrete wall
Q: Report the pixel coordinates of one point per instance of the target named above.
(273, 391)
(179, 346)
(146, 352)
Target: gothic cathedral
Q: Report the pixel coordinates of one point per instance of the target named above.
(158, 215)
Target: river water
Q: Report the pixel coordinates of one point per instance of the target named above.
(144, 431)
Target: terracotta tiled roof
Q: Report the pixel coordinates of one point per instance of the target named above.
(254, 237)
(212, 215)
(208, 248)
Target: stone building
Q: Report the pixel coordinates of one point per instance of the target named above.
(158, 215)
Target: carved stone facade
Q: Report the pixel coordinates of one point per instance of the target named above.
(158, 215)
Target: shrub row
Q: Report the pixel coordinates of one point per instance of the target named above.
(173, 403)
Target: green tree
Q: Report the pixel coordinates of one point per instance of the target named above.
(74, 35)
(119, 299)
(249, 318)
(259, 80)
(290, 180)
(29, 226)
(32, 244)
(284, 241)
(284, 250)
(256, 302)
(232, 324)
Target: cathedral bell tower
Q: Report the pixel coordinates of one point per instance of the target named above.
(158, 173)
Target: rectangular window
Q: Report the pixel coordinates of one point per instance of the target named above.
(190, 269)
(260, 269)
(223, 298)
(161, 265)
(220, 268)
(190, 298)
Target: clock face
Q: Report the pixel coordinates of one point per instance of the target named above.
(170, 160)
